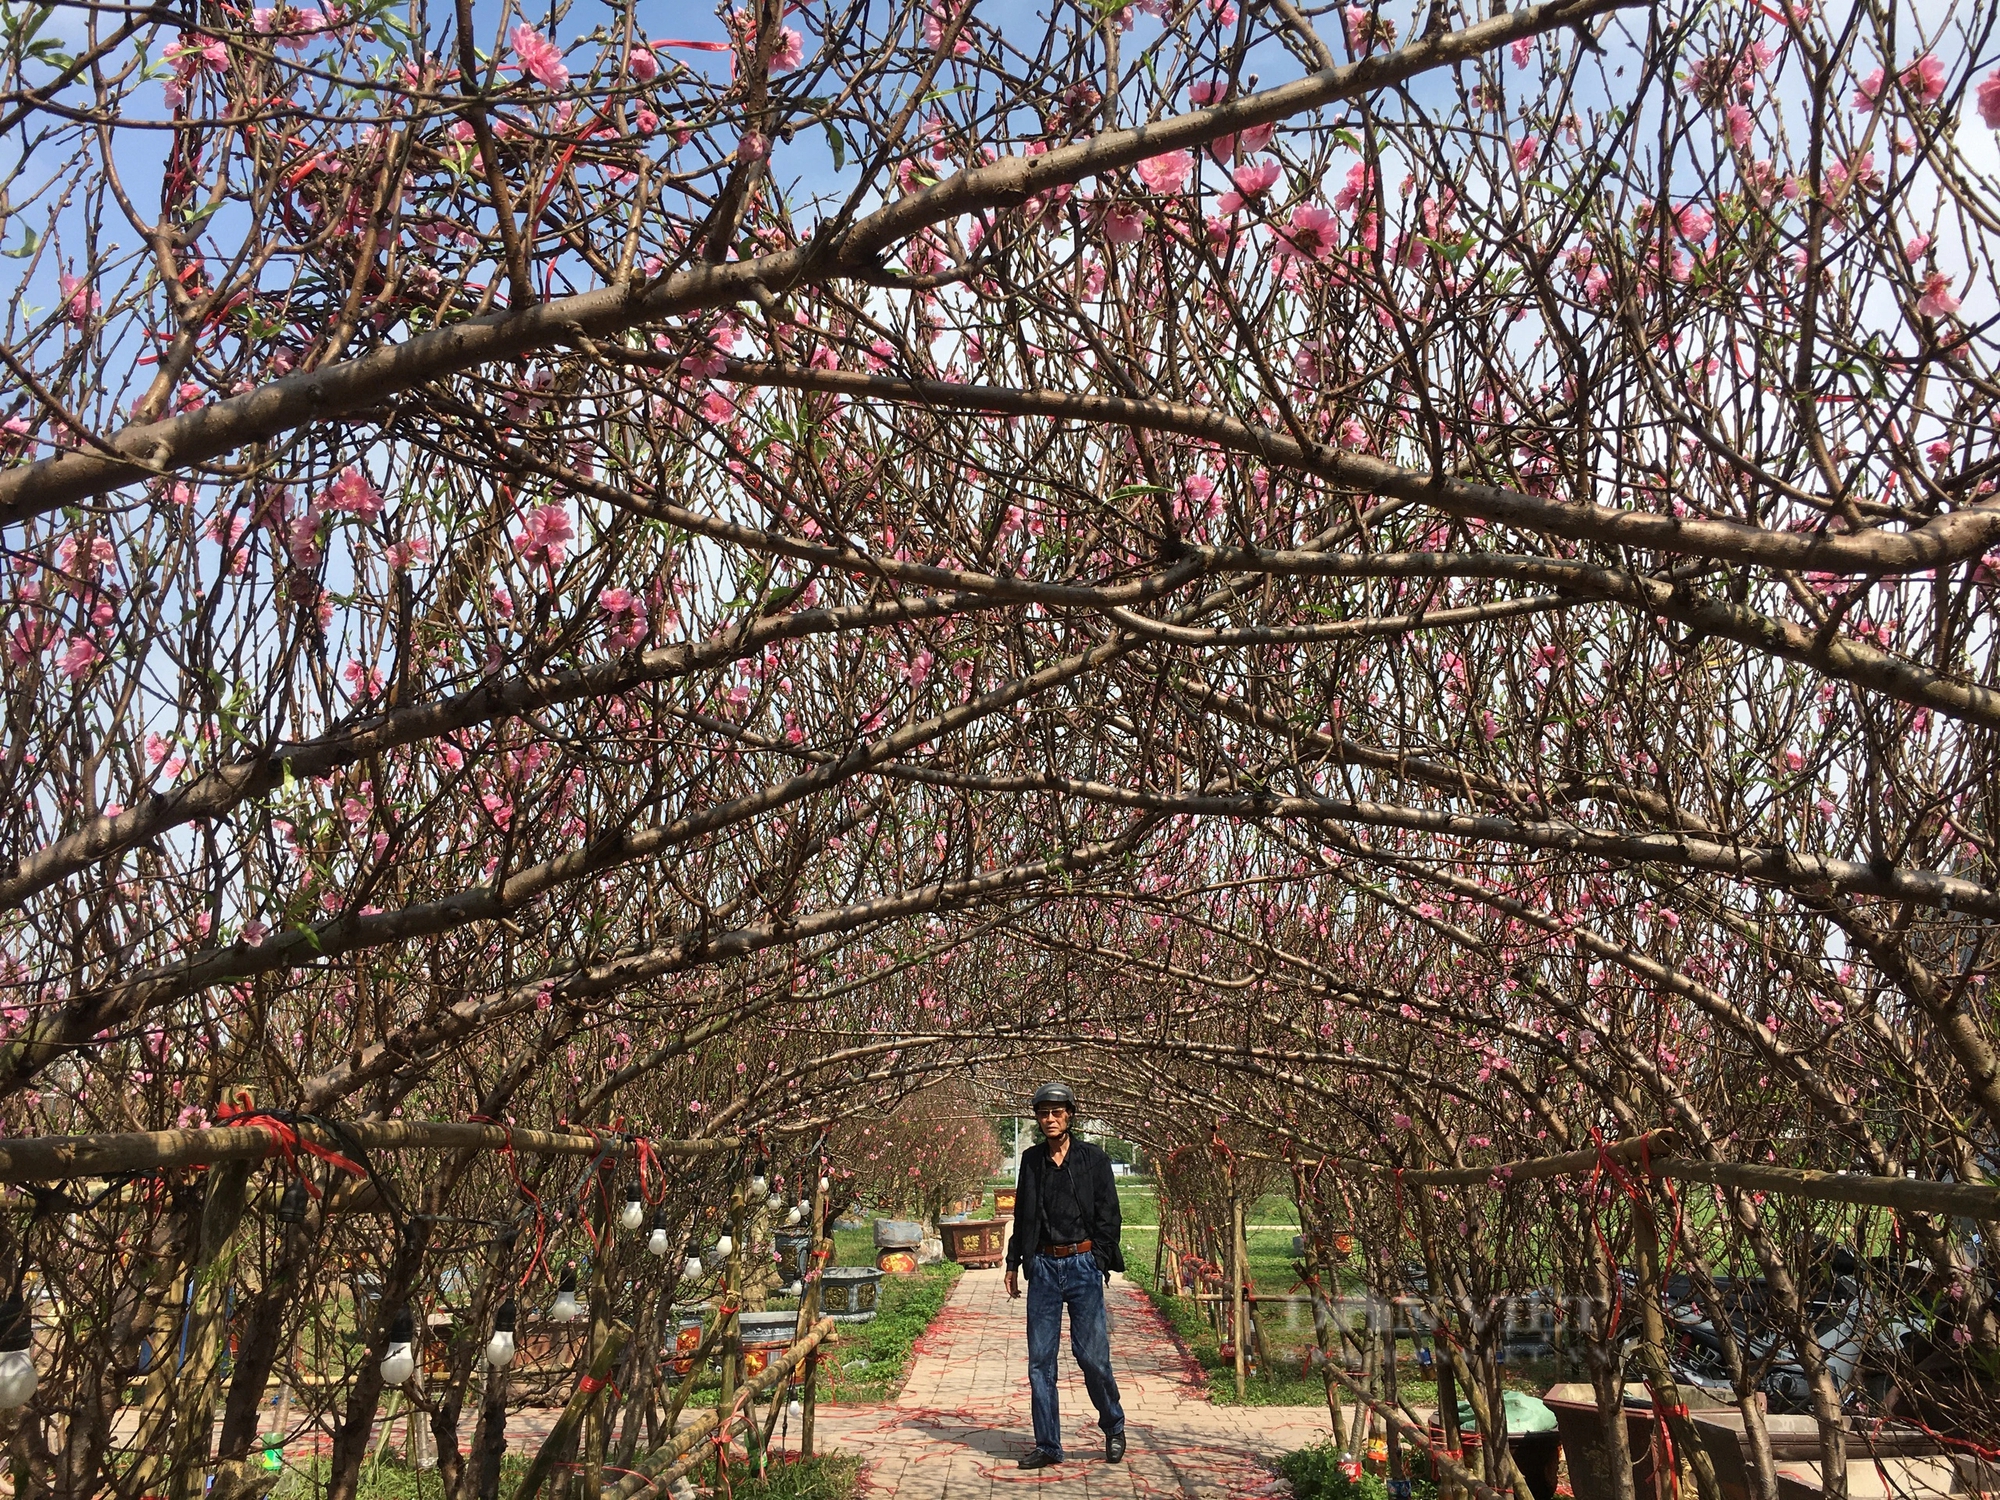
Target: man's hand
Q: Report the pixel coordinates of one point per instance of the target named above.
(1013, 1282)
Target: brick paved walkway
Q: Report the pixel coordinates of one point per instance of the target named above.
(962, 1419)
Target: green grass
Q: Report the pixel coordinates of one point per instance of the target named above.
(827, 1476)
(389, 1480)
(1283, 1386)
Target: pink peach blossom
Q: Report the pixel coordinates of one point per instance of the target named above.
(1123, 224)
(352, 492)
(1925, 78)
(82, 654)
(546, 537)
(1938, 299)
(80, 302)
(1309, 234)
(541, 59)
(1166, 174)
(1989, 99)
(1252, 180)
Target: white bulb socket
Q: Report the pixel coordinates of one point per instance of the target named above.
(500, 1350)
(398, 1365)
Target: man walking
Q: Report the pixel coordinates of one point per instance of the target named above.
(1066, 1228)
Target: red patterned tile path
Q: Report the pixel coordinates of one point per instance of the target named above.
(962, 1419)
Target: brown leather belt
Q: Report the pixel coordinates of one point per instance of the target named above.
(1081, 1247)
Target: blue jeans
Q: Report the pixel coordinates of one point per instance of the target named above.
(1071, 1281)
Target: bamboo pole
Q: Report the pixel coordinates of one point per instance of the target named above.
(658, 1472)
(731, 1320)
(809, 1305)
(1653, 1356)
(42, 1157)
(1236, 1287)
(581, 1400)
(1447, 1389)
(1460, 1476)
(1653, 1152)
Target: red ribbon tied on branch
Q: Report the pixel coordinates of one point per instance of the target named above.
(286, 1139)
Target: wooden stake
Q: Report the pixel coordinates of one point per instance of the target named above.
(809, 1306)
(1447, 1379)
(1236, 1258)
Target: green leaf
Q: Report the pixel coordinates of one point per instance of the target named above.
(836, 145)
(30, 242)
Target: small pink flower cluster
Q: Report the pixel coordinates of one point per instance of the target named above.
(546, 537)
(1923, 79)
(625, 618)
(541, 59)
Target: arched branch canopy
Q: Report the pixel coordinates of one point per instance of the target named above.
(1384, 588)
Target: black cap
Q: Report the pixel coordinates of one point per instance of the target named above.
(660, 1217)
(403, 1327)
(568, 1281)
(17, 1328)
(503, 1321)
(632, 1191)
(292, 1204)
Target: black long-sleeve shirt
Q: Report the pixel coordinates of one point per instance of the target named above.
(1063, 1205)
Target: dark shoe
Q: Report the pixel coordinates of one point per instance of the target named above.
(1040, 1459)
(1114, 1447)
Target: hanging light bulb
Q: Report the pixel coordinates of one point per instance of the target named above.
(795, 1410)
(566, 1309)
(792, 1218)
(17, 1341)
(400, 1363)
(292, 1205)
(824, 1184)
(656, 1242)
(633, 1214)
(759, 1183)
(725, 1246)
(500, 1348)
(805, 1208)
(692, 1270)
